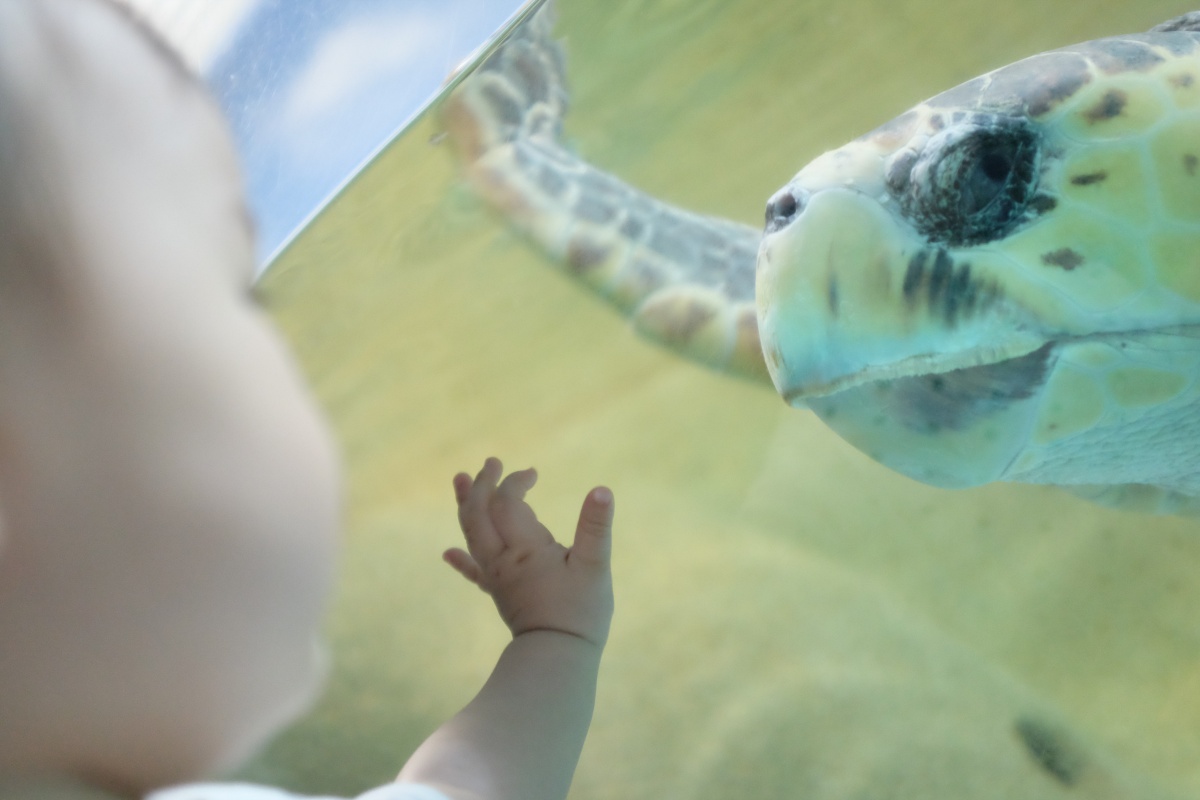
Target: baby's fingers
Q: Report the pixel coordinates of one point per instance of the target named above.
(473, 497)
(514, 520)
(593, 534)
(464, 564)
(462, 487)
(517, 484)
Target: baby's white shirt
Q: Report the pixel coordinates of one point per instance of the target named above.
(247, 791)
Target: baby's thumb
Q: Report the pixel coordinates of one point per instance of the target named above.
(593, 534)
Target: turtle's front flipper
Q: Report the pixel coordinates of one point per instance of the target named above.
(686, 280)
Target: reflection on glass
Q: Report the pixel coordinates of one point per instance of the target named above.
(313, 88)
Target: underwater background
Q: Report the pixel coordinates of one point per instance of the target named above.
(793, 620)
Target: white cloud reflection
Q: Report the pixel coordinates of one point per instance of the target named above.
(313, 88)
(360, 55)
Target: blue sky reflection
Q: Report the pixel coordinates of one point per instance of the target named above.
(313, 88)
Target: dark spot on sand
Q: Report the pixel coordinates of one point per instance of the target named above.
(1050, 749)
(1190, 162)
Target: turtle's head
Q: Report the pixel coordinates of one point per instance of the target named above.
(869, 301)
(864, 273)
(920, 287)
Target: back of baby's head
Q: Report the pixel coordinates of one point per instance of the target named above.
(168, 488)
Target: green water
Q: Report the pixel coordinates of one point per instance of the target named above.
(792, 619)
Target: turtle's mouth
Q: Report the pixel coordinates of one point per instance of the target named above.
(957, 398)
(979, 366)
(952, 428)
(952, 398)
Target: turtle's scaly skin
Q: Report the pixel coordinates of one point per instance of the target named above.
(1001, 284)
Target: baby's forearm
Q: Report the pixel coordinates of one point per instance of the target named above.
(521, 736)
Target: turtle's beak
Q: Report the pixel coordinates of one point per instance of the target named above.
(849, 294)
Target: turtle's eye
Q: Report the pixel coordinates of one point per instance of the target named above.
(986, 180)
(972, 184)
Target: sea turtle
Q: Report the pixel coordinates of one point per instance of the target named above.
(1002, 283)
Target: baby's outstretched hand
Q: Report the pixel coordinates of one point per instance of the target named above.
(537, 583)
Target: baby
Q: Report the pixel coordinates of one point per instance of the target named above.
(169, 492)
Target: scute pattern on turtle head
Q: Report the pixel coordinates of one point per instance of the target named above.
(1037, 85)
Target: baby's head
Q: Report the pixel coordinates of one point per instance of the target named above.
(168, 490)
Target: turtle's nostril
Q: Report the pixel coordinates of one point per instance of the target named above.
(784, 207)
